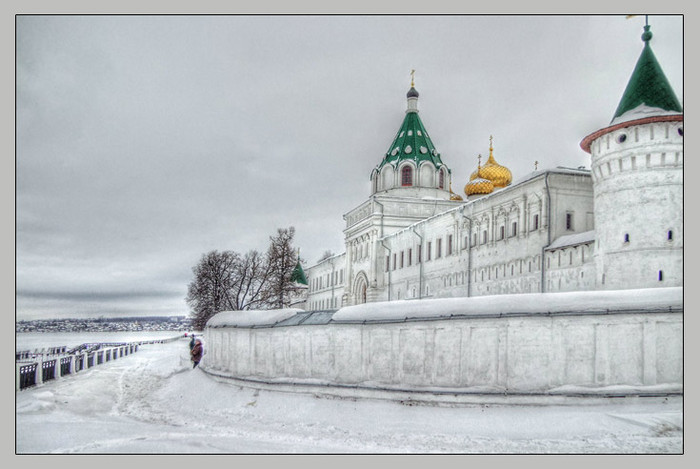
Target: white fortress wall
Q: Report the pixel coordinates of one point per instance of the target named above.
(577, 342)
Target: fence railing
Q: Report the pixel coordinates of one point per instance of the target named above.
(41, 365)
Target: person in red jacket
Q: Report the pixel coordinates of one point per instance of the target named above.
(197, 352)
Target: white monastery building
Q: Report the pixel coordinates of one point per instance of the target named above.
(617, 226)
(564, 282)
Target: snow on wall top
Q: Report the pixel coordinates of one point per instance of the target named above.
(572, 240)
(251, 318)
(531, 303)
(642, 111)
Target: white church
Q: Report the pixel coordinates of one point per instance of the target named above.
(616, 226)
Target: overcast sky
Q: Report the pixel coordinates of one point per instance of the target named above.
(144, 142)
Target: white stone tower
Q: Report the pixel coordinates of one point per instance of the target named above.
(637, 170)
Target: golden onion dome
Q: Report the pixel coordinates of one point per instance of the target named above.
(478, 186)
(499, 175)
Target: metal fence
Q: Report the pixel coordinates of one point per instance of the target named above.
(41, 365)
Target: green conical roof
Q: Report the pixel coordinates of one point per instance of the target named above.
(648, 84)
(298, 275)
(412, 141)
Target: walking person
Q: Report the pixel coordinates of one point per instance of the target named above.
(197, 352)
(192, 342)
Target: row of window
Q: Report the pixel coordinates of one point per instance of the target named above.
(328, 303)
(669, 236)
(501, 234)
(622, 137)
(325, 281)
(405, 258)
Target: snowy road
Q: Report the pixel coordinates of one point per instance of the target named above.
(152, 402)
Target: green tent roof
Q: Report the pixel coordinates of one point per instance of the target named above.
(648, 84)
(412, 141)
(298, 275)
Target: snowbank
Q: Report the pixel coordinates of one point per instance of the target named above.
(153, 402)
(251, 318)
(530, 303)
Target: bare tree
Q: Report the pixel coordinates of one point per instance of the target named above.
(227, 281)
(250, 280)
(210, 290)
(282, 259)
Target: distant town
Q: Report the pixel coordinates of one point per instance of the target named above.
(148, 323)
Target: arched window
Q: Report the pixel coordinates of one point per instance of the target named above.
(406, 176)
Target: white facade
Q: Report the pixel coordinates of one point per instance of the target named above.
(616, 226)
(516, 240)
(639, 168)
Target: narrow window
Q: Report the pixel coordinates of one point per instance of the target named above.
(661, 275)
(387, 263)
(429, 249)
(502, 232)
(402, 259)
(410, 256)
(485, 237)
(438, 254)
(420, 253)
(407, 176)
(627, 238)
(670, 235)
(442, 179)
(449, 245)
(514, 228)
(569, 221)
(394, 261)
(536, 222)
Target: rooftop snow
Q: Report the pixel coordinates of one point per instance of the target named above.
(573, 240)
(543, 303)
(642, 111)
(251, 318)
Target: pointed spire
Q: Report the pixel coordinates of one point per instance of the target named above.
(647, 87)
(298, 275)
(412, 95)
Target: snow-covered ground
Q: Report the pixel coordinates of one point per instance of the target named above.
(153, 402)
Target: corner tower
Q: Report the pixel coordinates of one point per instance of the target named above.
(412, 166)
(637, 171)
